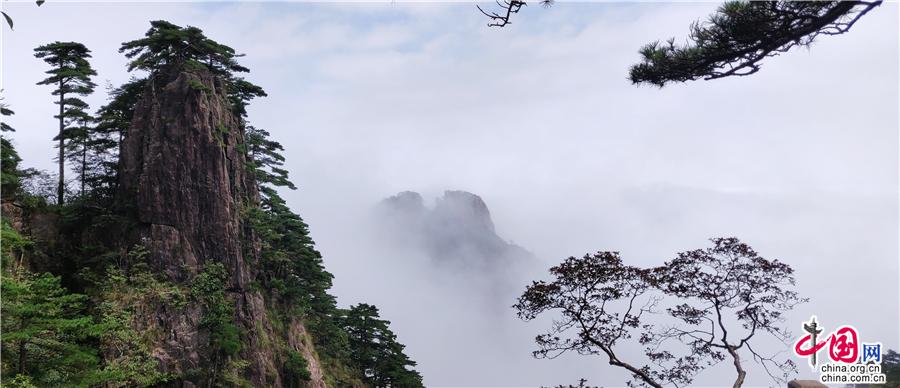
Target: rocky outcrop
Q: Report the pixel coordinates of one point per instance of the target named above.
(183, 177)
(457, 231)
(182, 172)
(42, 229)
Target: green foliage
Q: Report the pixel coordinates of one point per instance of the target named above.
(124, 292)
(167, 45)
(128, 362)
(127, 290)
(70, 67)
(78, 148)
(209, 288)
(734, 40)
(375, 350)
(70, 73)
(296, 370)
(5, 111)
(21, 381)
(112, 122)
(115, 116)
(266, 162)
(293, 269)
(197, 85)
(10, 176)
(231, 376)
(45, 332)
(240, 92)
(13, 245)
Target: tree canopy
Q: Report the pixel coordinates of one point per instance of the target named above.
(71, 73)
(44, 331)
(735, 39)
(375, 349)
(728, 282)
(9, 157)
(168, 45)
(112, 122)
(718, 300)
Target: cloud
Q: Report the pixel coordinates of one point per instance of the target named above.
(799, 160)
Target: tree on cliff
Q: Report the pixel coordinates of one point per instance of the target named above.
(77, 149)
(9, 158)
(290, 265)
(266, 162)
(734, 40)
(113, 120)
(719, 302)
(71, 74)
(169, 46)
(375, 350)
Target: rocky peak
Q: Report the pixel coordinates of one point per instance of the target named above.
(183, 177)
(458, 230)
(406, 202)
(463, 210)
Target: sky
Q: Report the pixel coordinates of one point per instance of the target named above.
(799, 160)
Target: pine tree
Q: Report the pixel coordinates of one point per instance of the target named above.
(79, 136)
(44, 331)
(9, 158)
(375, 350)
(167, 45)
(71, 74)
(112, 122)
(291, 266)
(740, 34)
(266, 162)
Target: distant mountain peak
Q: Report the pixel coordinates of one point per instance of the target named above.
(457, 230)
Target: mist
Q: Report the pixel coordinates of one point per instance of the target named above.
(800, 161)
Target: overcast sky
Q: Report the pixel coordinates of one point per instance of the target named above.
(799, 160)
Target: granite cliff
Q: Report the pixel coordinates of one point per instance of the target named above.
(183, 176)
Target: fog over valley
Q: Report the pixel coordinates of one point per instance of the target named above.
(443, 166)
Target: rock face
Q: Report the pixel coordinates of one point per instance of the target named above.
(186, 178)
(183, 177)
(458, 231)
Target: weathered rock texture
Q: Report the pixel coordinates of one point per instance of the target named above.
(183, 177)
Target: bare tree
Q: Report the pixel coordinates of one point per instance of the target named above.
(731, 297)
(585, 291)
(501, 19)
(720, 300)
